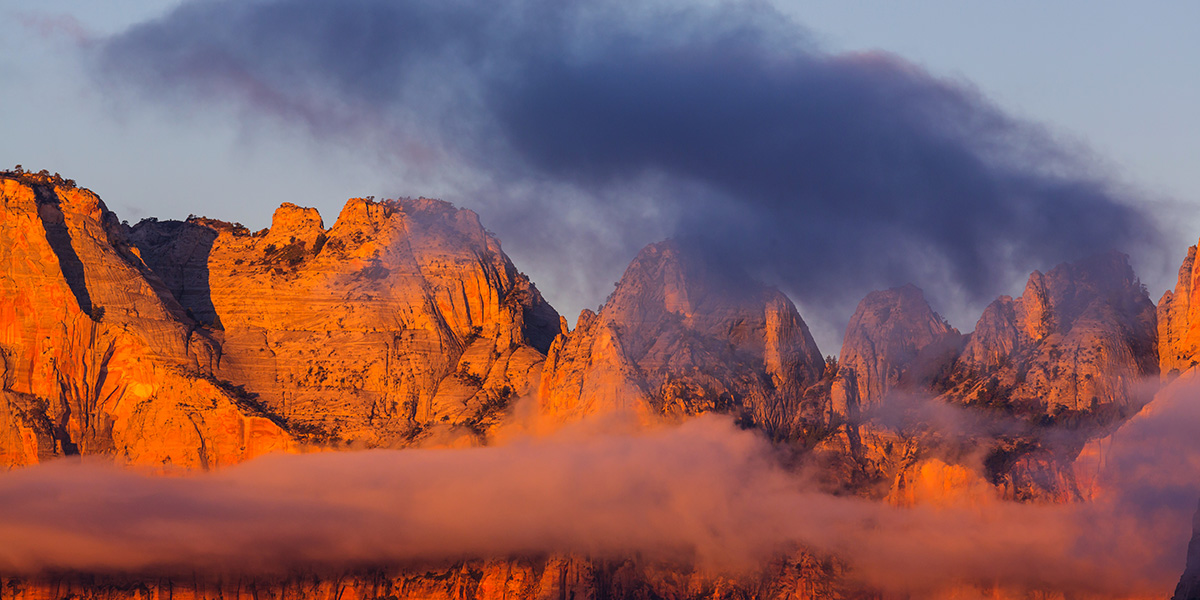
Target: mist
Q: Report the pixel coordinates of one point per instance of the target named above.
(705, 493)
(582, 131)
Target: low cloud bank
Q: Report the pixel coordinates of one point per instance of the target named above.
(704, 491)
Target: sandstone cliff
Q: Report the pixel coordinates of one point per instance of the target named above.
(894, 339)
(1179, 321)
(676, 339)
(96, 356)
(1039, 377)
(200, 344)
(403, 317)
(1079, 339)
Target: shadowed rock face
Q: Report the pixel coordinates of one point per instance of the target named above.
(403, 317)
(675, 339)
(1189, 583)
(97, 356)
(894, 339)
(554, 577)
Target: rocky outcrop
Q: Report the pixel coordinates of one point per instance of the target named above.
(539, 578)
(1080, 338)
(1045, 373)
(97, 357)
(1040, 376)
(894, 339)
(403, 318)
(1179, 321)
(677, 338)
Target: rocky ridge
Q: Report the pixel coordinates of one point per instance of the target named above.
(403, 317)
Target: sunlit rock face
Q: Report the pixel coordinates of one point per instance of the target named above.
(894, 343)
(404, 317)
(200, 344)
(676, 338)
(1068, 361)
(96, 356)
(1071, 355)
(1179, 321)
(1081, 338)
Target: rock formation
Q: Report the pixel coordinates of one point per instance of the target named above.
(404, 316)
(199, 344)
(1179, 321)
(894, 339)
(538, 578)
(1070, 354)
(1080, 339)
(97, 357)
(675, 339)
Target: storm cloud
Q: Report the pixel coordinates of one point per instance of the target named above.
(583, 130)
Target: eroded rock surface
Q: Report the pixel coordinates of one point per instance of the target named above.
(97, 357)
(676, 339)
(1179, 321)
(894, 339)
(1082, 337)
(403, 317)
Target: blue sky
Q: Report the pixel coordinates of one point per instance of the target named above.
(1109, 80)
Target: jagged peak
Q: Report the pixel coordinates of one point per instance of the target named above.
(891, 337)
(901, 309)
(1053, 301)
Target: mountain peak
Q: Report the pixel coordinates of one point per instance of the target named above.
(887, 335)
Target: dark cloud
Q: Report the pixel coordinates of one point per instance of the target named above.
(583, 130)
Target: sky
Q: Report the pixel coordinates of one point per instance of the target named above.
(1055, 120)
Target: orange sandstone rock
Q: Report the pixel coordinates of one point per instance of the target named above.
(98, 358)
(1179, 321)
(403, 317)
(677, 339)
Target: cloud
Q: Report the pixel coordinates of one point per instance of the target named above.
(584, 130)
(704, 491)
